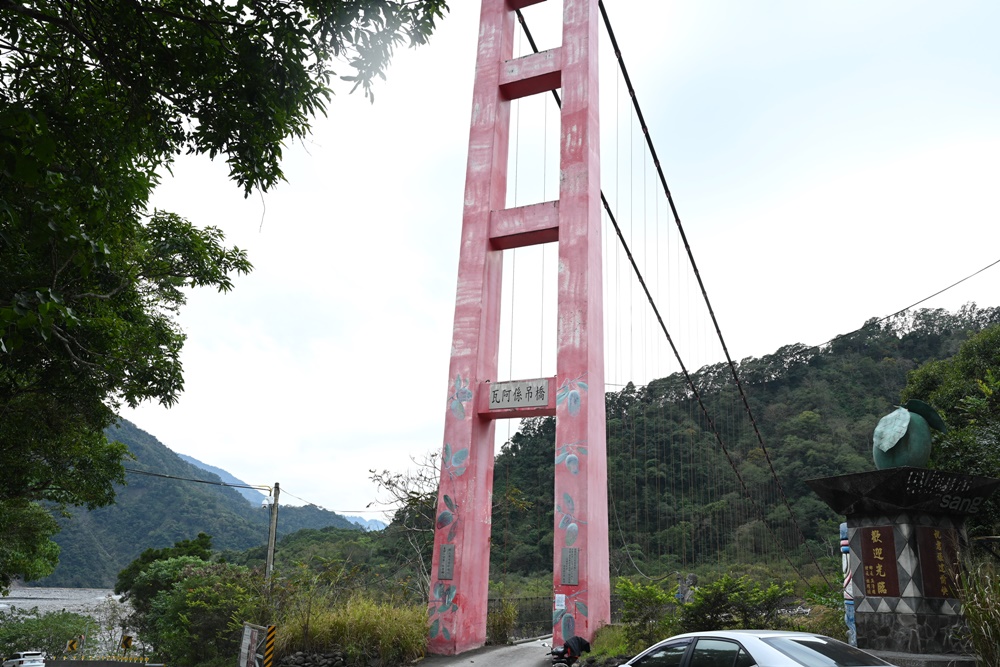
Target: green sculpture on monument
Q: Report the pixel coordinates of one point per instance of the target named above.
(903, 437)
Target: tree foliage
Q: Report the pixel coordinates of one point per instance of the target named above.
(965, 388)
(29, 630)
(409, 539)
(96, 101)
(733, 602)
(198, 620)
(25, 548)
(200, 548)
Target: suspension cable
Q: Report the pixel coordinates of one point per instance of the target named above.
(701, 285)
(689, 380)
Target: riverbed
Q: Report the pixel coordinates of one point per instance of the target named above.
(78, 600)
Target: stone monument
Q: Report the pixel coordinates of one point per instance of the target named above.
(906, 529)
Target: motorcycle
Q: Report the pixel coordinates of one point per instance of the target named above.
(569, 652)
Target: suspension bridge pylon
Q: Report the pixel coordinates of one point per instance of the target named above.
(475, 399)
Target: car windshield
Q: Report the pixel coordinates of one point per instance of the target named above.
(822, 652)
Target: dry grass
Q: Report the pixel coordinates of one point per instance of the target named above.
(363, 629)
(981, 606)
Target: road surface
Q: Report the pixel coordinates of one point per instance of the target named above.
(530, 654)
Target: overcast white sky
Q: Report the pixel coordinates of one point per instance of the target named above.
(831, 161)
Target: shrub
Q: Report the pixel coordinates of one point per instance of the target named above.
(364, 629)
(500, 623)
(823, 620)
(646, 612)
(199, 620)
(734, 603)
(22, 630)
(980, 593)
(612, 641)
(826, 612)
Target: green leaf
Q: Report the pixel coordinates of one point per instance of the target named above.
(435, 626)
(891, 429)
(934, 420)
(582, 608)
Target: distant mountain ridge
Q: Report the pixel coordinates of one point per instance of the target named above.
(367, 524)
(156, 511)
(256, 497)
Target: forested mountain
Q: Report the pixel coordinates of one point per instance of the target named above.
(253, 496)
(676, 502)
(675, 496)
(155, 512)
(256, 497)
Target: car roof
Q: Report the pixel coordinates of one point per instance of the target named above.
(737, 634)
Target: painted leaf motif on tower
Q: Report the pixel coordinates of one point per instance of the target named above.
(461, 395)
(568, 626)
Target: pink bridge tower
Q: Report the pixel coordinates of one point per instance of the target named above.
(460, 567)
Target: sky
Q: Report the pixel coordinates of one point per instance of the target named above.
(831, 162)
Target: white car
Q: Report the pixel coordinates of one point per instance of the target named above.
(753, 648)
(25, 659)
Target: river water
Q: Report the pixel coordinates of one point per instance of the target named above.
(79, 600)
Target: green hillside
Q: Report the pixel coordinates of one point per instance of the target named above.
(153, 512)
(675, 501)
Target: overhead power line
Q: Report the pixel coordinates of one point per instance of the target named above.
(912, 305)
(257, 487)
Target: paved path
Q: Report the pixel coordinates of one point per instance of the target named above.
(530, 654)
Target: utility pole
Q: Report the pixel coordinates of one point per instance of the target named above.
(269, 567)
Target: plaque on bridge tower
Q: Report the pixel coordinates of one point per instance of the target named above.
(446, 562)
(878, 555)
(519, 394)
(570, 566)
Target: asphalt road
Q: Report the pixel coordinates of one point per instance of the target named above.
(530, 654)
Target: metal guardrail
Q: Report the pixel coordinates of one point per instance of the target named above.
(534, 615)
